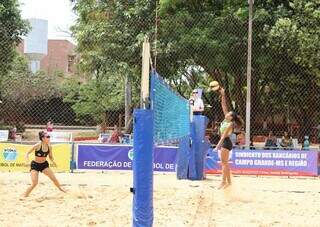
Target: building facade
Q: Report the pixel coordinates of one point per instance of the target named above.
(61, 57)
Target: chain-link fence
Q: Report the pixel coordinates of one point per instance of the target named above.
(193, 43)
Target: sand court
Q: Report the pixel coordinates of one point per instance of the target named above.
(103, 199)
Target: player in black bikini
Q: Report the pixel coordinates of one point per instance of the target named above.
(40, 163)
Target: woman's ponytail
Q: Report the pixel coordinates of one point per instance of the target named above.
(237, 119)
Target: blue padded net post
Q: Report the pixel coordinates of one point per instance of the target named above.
(143, 168)
(183, 157)
(200, 147)
(191, 159)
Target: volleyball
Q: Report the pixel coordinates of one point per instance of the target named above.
(214, 86)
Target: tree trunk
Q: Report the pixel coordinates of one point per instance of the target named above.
(127, 101)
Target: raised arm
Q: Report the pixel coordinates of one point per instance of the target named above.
(224, 101)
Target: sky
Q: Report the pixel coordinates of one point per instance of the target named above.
(58, 13)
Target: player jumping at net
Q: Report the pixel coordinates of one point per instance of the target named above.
(231, 121)
(40, 163)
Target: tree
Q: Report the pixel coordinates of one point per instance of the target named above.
(12, 27)
(109, 35)
(213, 35)
(30, 96)
(96, 97)
(198, 41)
(22, 86)
(297, 37)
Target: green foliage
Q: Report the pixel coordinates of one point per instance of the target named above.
(21, 86)
(285, 50)
(211, 36)
(12, 27)
(299, 35)
(95, 97)
(199, 41)
(109, 35)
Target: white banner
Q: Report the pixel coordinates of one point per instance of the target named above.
(4, 135)
(60, 136)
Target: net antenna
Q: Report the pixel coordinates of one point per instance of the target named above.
(145, 76)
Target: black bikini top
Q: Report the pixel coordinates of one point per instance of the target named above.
(41, 153)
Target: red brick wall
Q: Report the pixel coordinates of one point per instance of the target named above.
(57, 58)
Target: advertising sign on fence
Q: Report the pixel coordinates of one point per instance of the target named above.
(105, 157)
(267, 162)
(12, 157)
(60, 136)
(4, 135)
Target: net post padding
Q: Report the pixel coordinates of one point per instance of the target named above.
(143, 168)
(200, 145)
(191, 155)
(183, 158)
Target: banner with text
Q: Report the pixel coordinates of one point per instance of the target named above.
(12, 157)
(267, 162)
(107, 157)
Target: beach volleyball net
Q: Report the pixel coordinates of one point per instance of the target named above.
(171, 112)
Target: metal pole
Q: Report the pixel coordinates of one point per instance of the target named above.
(248, 105)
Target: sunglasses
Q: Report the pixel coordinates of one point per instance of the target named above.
(47, 137)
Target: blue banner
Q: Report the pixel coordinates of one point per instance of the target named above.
(106, 157)
(255, 162)
(267, 162)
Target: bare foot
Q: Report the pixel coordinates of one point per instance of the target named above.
(222, 186)
(227, 185)
(63, 190)
(25, 195)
